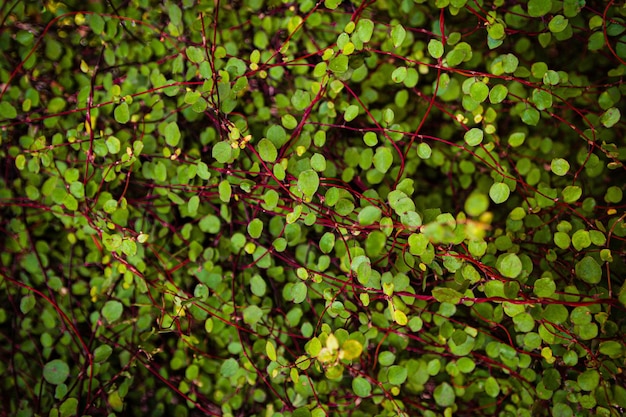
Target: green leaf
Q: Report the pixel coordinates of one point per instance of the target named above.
(210, 224)
(277, 135)
(252, 315)
(308, 182)
(363, 268)
(175, 14)
(610, 117)
(112, 310)
(476, 204)
(122, 113)
(581, 239)
(562, 410)
(370, 139)
(339, 64)
(313, 347)
(397, 374)
(195, 54)
(369, 215)
(267, 150)
(492, 388)
(555, 313)
(612, 349)
(411, 220)
(258, 286)
(479, 91)
(327, 242)
(496, 32)
(229, 368)
(7, 111)
(510, 63)
(400, 317)
(587, 331)
(424, 150)
(69, 407)
(572, 193)
(474, 136)
(596, 41)
(203, 171)
(193, 204)
(444, 395)
(270, 350)
(398, 34)
(544, 287)
(383, 159)
(589, 380)
(417, 243)
(375, 243)
(399, 74)
(102, 353)
(27, 303)
(58, 104)
(351, 113)
(225, 191)
(388, 116)
(302, 412)
(386, 358)
(509, 265)
(365, 29)
(614, 195)
(558, 24)
(559, 166)
(589, 270)
(499, 192)
(318, 162)
(531, 116)
(539, 8)
(619, 396)
(289, 121)
(20, 162)
(96, 22)
(301, 100)
(172, 134)
(361, 387)
(435, 48)
(299, 292)
(56, 371)
(542, 99)
(222, 152)
(255, 228)
(400, 202)
(466, 365)
(447, 295)
(412, 77)
(497, 94)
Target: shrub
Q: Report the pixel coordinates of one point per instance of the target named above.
(313, 208)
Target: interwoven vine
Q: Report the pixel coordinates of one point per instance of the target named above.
(312, 208)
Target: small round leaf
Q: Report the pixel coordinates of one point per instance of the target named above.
(499, 192)
(474, 136)
(510, 265)
(56, 372)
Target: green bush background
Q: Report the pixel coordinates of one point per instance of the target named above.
(297, 208)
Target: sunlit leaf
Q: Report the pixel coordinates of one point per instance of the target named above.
(499, 192)
(122, 113)
(308, 182)
(112, 310)
(444, 395)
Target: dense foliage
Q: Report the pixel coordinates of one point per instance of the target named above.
(391, 207)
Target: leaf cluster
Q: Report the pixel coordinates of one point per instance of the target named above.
(313, 208)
